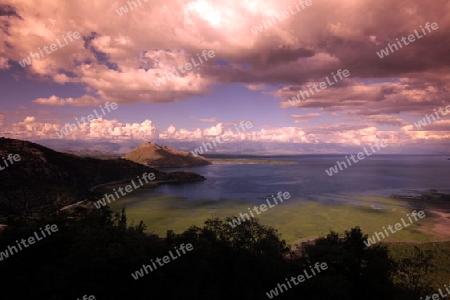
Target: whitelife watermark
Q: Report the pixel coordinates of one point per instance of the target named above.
(281, 196)
(166, 259)
(323, 85)
(300, 278)
(284, 15)
(438, 296)
(425, 121)
(85, 297)
(72, 126)
(199, 150)
(124, 9)
(398, 227)
(31, 240)
(128, 189)
(187, 66)
(411, 38)
(11, 158)
(360, 155)
(27, 61)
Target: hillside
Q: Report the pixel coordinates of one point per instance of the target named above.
(92, 153)
(154, 155)
(45, 180)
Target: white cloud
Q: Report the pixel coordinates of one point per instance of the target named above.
(57, 101)
(350, 135)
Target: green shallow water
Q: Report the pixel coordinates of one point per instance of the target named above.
(295, 218)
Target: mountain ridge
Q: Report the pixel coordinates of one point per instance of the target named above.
(154, 155)
(45, 180)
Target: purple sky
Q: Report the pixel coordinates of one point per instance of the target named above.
(118, 57)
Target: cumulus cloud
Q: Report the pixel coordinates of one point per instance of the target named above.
(346, 134)
(381, 120)
(122, 62)
(214, 130)
(4, 63)
(120, 59)
(304, 118)
(206, 120)
(57, 101)
(356, 98)
(31, 127)
(255, 87)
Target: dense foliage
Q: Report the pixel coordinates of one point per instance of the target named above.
(94, 253)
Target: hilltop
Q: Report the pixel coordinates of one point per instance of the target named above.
(45, 180)
(154, 155)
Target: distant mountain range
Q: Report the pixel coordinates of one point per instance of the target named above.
(154, 155)
(46, 180)
(92, 153)
(122, 147)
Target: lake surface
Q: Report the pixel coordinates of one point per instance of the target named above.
(373, 176)
(355, 196)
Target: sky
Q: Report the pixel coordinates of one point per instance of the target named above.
(230, 62)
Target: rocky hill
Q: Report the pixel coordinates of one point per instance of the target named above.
(44, 180)
(154, 155)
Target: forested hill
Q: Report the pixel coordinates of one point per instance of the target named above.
(45, 179)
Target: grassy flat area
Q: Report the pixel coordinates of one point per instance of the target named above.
(296, 218)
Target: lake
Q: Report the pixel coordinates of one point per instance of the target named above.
(355, 196)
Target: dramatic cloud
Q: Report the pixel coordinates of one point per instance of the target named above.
(350, 135)
(382, 120)
(160, 52)
(360, 99)
(123, 56)
(56, 101)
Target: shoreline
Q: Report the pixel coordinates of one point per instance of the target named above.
(304, 220)
(441, 226)
(238, 161)
(152, 183)
(437, 227)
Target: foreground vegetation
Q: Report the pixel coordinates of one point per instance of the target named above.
(95, 253)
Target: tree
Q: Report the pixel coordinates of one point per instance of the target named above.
(412, 273)
(355, 271)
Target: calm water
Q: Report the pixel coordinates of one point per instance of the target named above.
(353, 197)
(381, 175)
